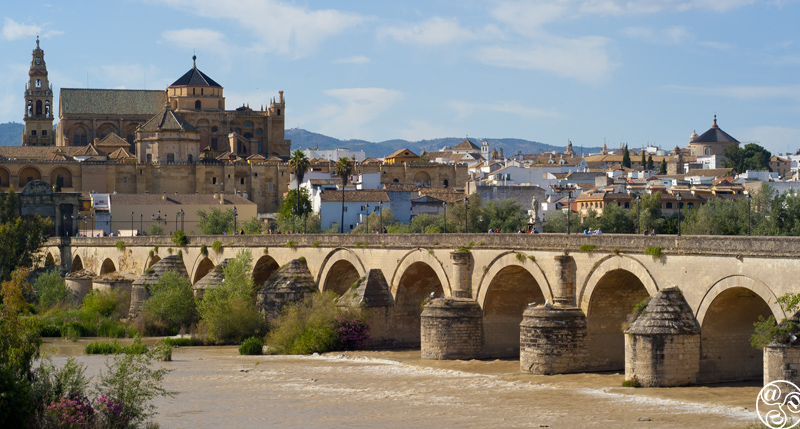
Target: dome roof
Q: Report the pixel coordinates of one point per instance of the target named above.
(194, 77)
(715, 135)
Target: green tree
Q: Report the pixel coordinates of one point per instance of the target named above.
(716, 217)
(615, 220)
(291, 207)
(155, 229)
(215, 222)
(650, 212)
(299, 164)
(343, 169)
(662, 168)
(310, 221)
(252, 226)
(650, 164)
(751, 157)
(626, 158)
(51, 289)
(506, 214)
(557, 222)
(228, 311)
(171, 304)
(20, 238)
(643, 162)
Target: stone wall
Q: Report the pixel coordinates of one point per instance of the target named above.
(451, 329)
(781, 363)
(553, 340)
(662, 360)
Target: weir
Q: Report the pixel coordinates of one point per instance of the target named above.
(560, 303)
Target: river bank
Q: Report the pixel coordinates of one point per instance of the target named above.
(219, 388)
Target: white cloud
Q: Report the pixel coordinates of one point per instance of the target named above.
(130, 76)
(417, 130)
(192, 38)
(666, 36)
(357, 107)
(433, 32)
(584, 59)
(620, 7)
(465, 109)
(13, 30)
(356, 59)
(743, 92)
(774, 139)
(278, 27)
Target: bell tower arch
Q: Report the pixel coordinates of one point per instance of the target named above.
(38, 103)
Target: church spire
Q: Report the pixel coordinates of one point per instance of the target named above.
(38, 103)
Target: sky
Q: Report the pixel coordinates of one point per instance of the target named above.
(620, 71)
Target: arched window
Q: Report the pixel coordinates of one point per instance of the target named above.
(47, 108)
(197, 105)
(669, 205)
(38, 107)
(214, 129)
(708, 151)
(248, 124)
(279, 112)
(446, 183)
(38, 83)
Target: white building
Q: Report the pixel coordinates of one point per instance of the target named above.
(335, 154)
(357, 205)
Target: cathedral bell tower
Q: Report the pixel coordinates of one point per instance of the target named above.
(38, 104)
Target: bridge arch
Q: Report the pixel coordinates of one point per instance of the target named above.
(201, 268)
(413, 257)
(107, 267)
(340, 262)
(151, 260)
(726, 316)
(77, 264)
(49, 260)
(610, 292)
(263, 270)
(418, 280)
(506, 288)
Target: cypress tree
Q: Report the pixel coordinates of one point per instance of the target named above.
(662, 169)
(643, 162)
(650, 165)
(626, 158)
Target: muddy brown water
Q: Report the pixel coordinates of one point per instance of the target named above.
(217, 388)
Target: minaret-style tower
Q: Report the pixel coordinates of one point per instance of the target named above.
(38, 104)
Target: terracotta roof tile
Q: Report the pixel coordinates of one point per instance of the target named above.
(365, 195)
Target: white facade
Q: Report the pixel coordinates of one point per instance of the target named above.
(335, 154)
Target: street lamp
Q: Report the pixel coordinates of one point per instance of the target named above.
(466, 219)
(177, 215)
(543, 222)
(93, 226)
(182, 214)
(131, 223)
(367, 218)
(638, 200)
(84, 225)
(141, 222)
(235, 217)
(748, 212)
(444, 204)
(678, 197)
(569, 197)
(380, 216)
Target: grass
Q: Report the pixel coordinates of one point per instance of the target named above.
(204, 250)
(641, 307)
(520, 257)
(463, 249)
(217, 246)
(183, 342)
(105, 348)
(532, 258)
(120, 245)
(634, 382)
(654, 251)
(315, 244)
(587, 248)
(291, 243)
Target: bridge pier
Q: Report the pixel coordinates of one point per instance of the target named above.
(553, 337)
(451, 328)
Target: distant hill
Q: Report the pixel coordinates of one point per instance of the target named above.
(303, 139)
(11, 134)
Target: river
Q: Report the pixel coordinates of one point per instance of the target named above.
(217, 388)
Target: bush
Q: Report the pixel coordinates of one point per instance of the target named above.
(51, 289)
(217, 246)
(179, 238)
(228, 312)
(98, 348)
(252, 346)
(171, 305)
(587, 248)
(182, 342)
(316, 325)
(106, 303)
(654, 251)
(204, 250)
(155, 229)
(120, 245)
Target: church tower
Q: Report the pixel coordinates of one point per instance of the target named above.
(38, 104)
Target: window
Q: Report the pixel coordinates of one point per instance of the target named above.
(124, 180)
(248, 124)
(259, 132)
(214, 143)
(345, 208)
(197, 105)
(279, 112)
(269, 186)
(255, 174)
(38, 83)
(33, 132)
(193, 91)
(149, 158)
(669, 205)
(170, 158)
(260, 149)
(190, 159)
(44, 132)
(201, 91)
(241, 180)
(213, 180)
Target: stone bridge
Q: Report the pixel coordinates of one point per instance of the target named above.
(729, 282)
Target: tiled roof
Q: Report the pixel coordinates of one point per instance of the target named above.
(177, 199)
(410, 187)
(361, 195)
(715, 135)
(466, 145)
(443, 194)
(707, 172)
(120, 153)
(111, 101)
(36, 152)
(194, 77)
(88, 150)
(167, 120)
(401, 152)
(113, 140)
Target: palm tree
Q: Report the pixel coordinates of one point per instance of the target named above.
(298, 163)
(343, 169)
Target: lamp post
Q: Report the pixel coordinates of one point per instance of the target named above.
(678, 197)
(182, 214)
(93, 226)
(177, 215)
(748, 212)
(466, 219)
(235, 217)
(131, 223)
(141, 222)
(544, 221)
(380, 216)
(444, 204)
(638, 200)
(569, 197)
(367, 218)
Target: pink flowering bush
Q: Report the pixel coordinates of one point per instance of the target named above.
(352, 332)
(111, 414)
(72, 412)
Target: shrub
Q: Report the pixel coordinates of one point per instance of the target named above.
(106, 303)
(654, 251)
(182, 342)
(171, 305)
(228, 312)
(316, 325)
(634, 382)
(179, 238)
(463, 249)
(315, 244)
(120, 245)
(155, 229)
(105, 348)
(252, 346)
(51, 289)
(291, 243)
(217, 246)
(204, 250)
(587, 248)
(641, 307)
(519, 256)
(75, 411)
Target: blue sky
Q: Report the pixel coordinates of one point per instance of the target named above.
(641, 73)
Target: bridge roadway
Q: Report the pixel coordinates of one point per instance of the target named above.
(729, 282)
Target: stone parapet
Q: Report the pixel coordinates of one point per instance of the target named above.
(451, 329)
(552, 340)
